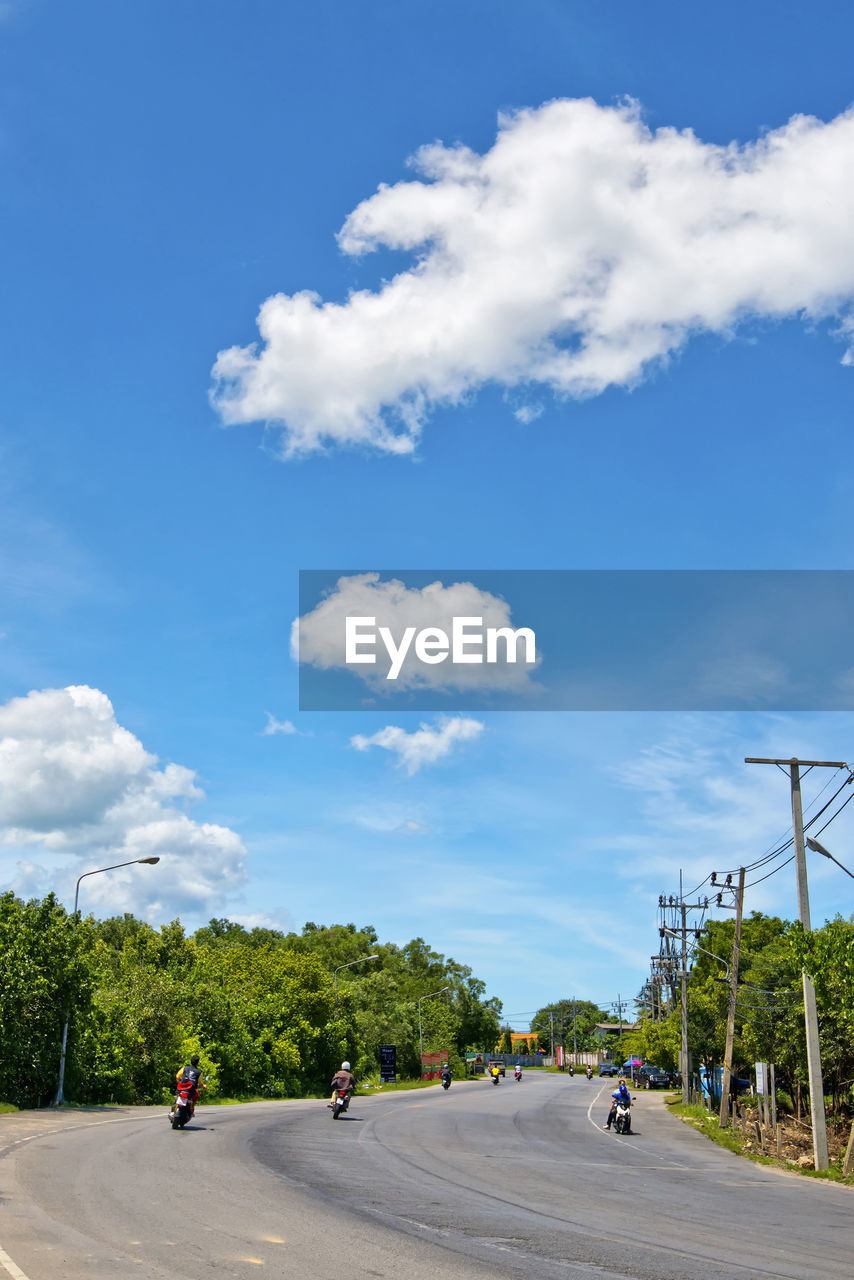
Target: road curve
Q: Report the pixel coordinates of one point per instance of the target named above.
(479, 1181)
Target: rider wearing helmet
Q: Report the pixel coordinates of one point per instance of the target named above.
(343, 1081)
(621, 1094)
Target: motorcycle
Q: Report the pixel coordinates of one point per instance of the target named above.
(496, 1078)
(571, 1070)
(589, 1073)
(517, 1074)
(446, 1080)
(182, 1107)
(623, 1118)
(340, 1102)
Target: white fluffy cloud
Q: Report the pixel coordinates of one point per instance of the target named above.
(426, 745)
(317, 638)
(74, 782)
(274, 726)
(579, 249)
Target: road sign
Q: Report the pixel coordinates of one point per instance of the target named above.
(388, 1063)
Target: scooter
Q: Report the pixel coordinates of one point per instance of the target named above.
(571, 1070)
(182, 1107)
(517, 1074)
(623, 1118)
(446, 1079)
(496, 1078)
(340, 1102)
(589, 1073)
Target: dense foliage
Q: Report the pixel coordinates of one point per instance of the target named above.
(769, 1022)
(260, 1007)
(571, 1020)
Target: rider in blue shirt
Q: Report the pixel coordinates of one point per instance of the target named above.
(621, 1094)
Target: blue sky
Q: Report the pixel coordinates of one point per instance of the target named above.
(166, 168)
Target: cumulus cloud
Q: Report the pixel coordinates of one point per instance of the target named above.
(425, 746)
(274, 726)
(318, 637)
(74, 782)
(579, 250)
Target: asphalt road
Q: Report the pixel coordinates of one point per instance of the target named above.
(506, 1181)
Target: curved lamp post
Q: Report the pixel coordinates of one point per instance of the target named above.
(819, 848)
(148, 861)
(420, 1036)
(349, 965)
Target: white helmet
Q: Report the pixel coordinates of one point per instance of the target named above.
(345, 1066)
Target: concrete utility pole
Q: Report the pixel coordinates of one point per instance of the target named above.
(683, 1052)
(819, 1121)
(723, 1118)
(682, 973)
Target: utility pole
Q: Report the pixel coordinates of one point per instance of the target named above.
(552, 1034)
(723, 1118)
(682, 973)
(683, 1053)
(574, 1027)
(819, 1121)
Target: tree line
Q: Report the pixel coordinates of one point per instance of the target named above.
(769, 1014)
(258, 1006)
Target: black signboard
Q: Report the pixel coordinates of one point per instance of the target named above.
(388, 1063)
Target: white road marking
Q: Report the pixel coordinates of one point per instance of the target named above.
(13, 1269)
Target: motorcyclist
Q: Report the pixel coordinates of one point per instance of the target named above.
(342, 1082)
(589, 1072)
(621, 1094)
(571, 1069)
(446, 1075)
(192, 1075)
(517, 1071)
(495, 1072)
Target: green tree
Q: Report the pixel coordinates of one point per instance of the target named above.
(42, 974)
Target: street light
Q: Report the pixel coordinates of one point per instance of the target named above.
(347, 966)
(149, 862)
(430, 997)
(819, 848)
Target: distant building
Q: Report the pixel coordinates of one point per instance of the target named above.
(612, 1030)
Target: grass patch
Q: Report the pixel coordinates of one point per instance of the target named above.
(7, 1107)
(732, 1138)
(218, 1101)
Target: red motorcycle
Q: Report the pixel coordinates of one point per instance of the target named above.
(182, 1107)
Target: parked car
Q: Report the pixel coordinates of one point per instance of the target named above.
(496, 1062)
(652, 1077)
(609, 1069)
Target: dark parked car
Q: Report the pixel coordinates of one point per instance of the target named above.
(650, 1077)
(609, 1069)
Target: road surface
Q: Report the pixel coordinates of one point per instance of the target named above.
(507, 1181)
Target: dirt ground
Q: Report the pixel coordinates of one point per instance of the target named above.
(796, 1140)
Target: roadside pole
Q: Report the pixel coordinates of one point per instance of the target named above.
(723, 1118)
(683, 1054)
(819, 1121)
